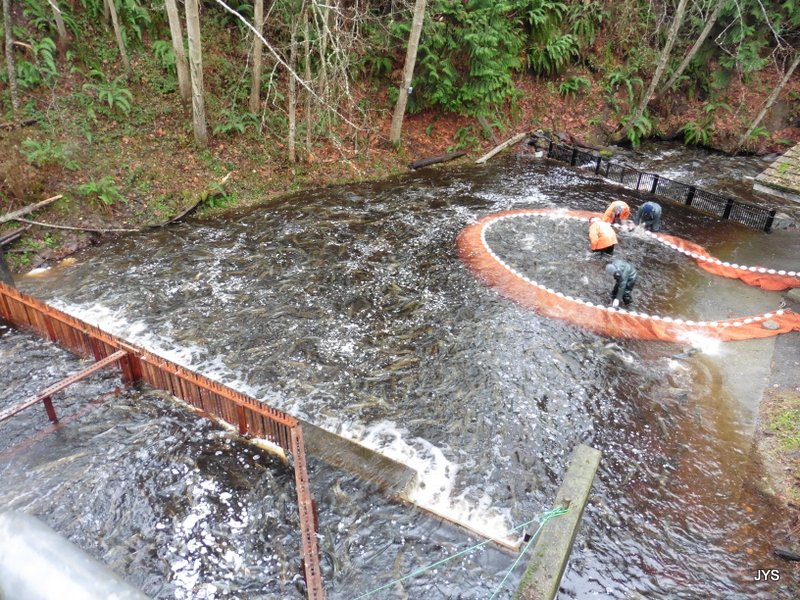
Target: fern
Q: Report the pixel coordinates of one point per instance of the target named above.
(573, 85)
(639, 129)
(111, 92)
(695, 133)
(165, 55)
(235, 122)
(103, 191)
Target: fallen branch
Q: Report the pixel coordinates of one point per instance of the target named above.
(496, 149)
(69, 228)
(13, 236)
(14, 125)
(13, 216)
(424, 162)
(203, 197)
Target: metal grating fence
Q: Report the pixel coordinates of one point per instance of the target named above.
(757, 217)
(250, 416)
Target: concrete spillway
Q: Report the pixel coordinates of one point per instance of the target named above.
(782, 177)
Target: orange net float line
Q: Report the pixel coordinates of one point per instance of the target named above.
(613, 322)
(767, 279)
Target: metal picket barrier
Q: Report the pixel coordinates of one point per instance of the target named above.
(751, 215)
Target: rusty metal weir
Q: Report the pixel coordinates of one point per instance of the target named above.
(214, 400)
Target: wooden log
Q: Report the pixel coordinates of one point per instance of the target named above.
(13, 236)
(509, 142)
(12, 216)
(552, 549)
(203, 197)
(424, 162)
(71, 228)
(15, 124)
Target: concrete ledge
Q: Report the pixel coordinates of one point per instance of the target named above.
(552, 550)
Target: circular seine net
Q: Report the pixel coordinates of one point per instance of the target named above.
(474, 251)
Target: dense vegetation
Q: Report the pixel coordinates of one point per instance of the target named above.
(104, 103)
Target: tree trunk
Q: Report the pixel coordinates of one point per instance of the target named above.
(772, 97)
(693, 50)
(292, 97)
(662, 64)
(63, 39)
(184, 85)
(112, 9)
(322, 18)
(10, 63)
(196, 68)
(408, 71)
(255, 84)
(5, 272)
(307, 51)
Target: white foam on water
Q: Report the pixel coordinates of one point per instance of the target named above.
(707, 345)
(140, 333)
(436, 475)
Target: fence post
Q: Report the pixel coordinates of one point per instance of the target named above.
(242, 419)
(639, 181)
(690, 195)
(574, 157)
(770, 220)
(608, 168)
(621, 174)
(48, 407)
(550, 149)
(728, 208)
(597, 167)
(655, 184)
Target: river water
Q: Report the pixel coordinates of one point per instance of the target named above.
(347, 306)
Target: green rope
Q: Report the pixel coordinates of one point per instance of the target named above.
(542, 519)
(556, 512)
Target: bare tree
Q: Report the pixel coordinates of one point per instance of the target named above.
(408, 71)
(770, 100)
(10, 63)
(672, 35)
(255, 85)
(63, 39)
(712, 18)
(196, 69)
(307, 56)
(112, 9)
(292, 140)
(176, 33)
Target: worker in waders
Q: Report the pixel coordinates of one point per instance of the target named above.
(601, 236)
(625, 276)
(617, 212)
(649, 215)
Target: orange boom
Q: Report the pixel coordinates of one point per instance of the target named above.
(475, 252)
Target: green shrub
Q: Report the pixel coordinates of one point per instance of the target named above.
(44, 153)
(111, 92)
(102, 192)
(573, 85)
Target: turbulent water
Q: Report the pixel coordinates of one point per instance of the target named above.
(348, 307)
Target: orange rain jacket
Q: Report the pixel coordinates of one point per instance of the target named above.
(601, 235)
(617, 212)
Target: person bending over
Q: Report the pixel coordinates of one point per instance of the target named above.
(617, 212)
(601, 236)
(625, 276)
(649, 215)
